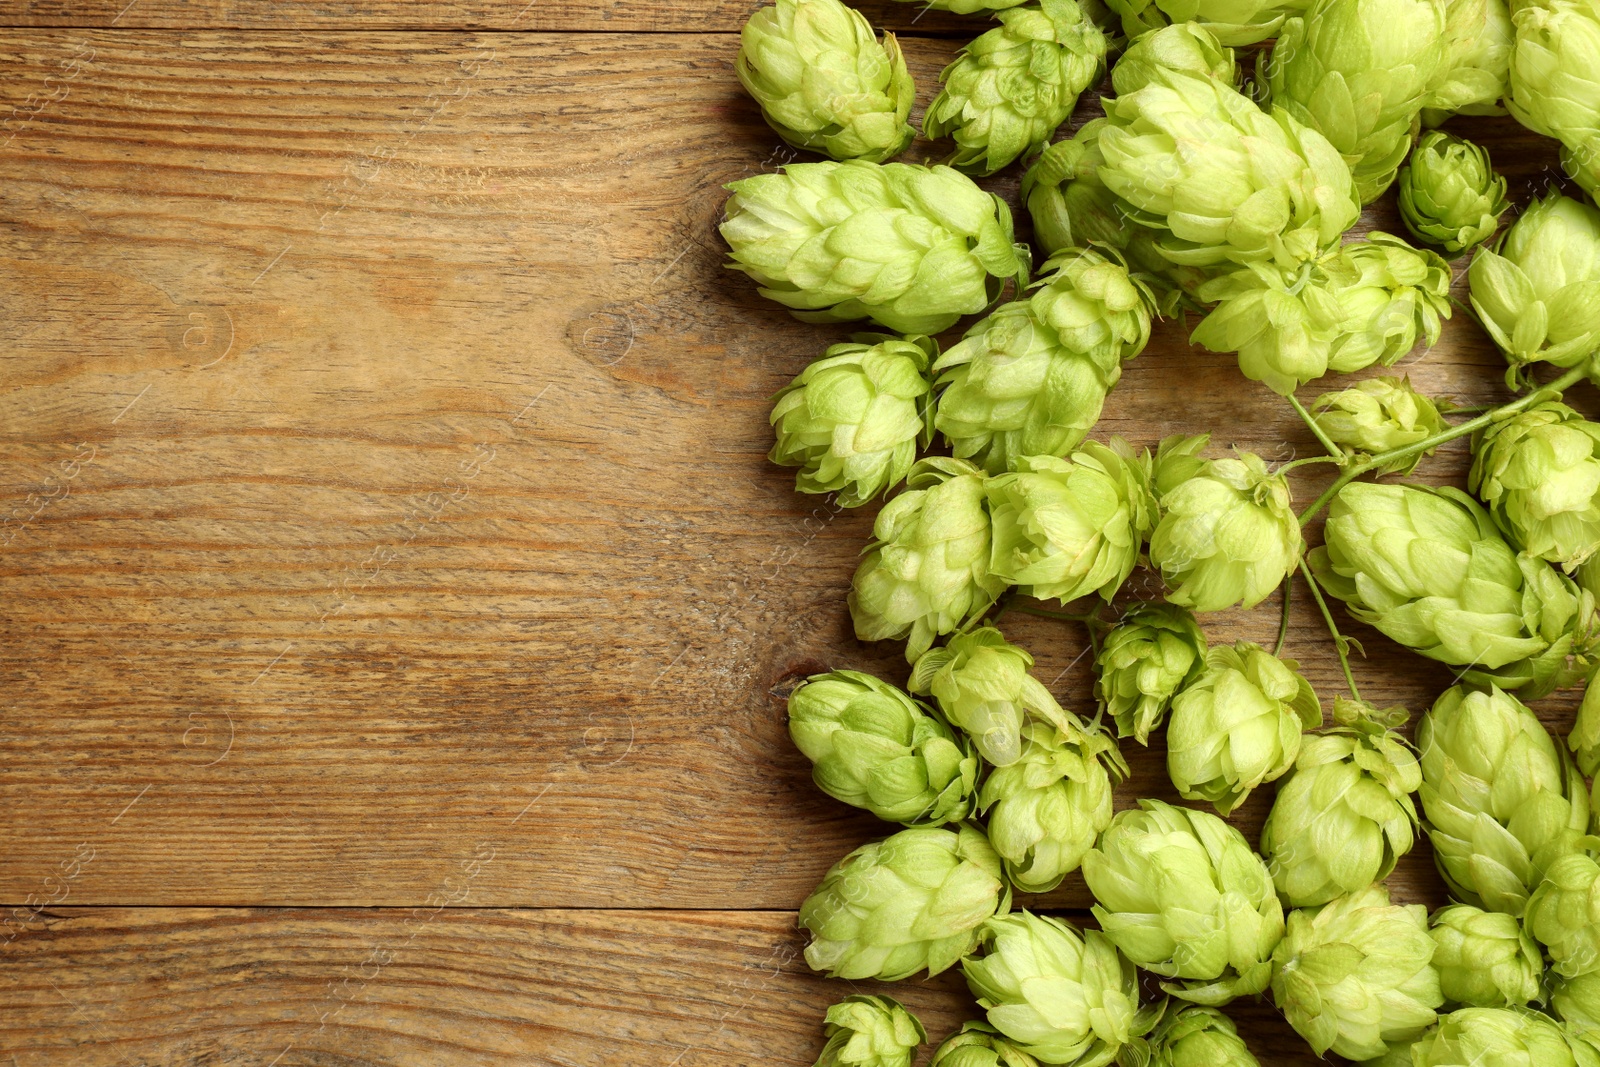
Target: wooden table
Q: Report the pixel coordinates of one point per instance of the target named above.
(397, 601)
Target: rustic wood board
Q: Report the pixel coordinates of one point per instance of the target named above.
(383, 484)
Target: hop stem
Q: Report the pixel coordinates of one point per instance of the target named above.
(1341, 644)
(1283, 618)
(1336, 453)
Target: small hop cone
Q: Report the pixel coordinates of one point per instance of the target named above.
(1485, 959)
(868, 1031)
(1379, 415)
(1197, 1036)
(1450, 196)
(1471, 1037)
(979, 1045)
(981, 681)
(1555, 86)
(1539, 475)
(1233, 22)
(1153, 653)
(1477, 67)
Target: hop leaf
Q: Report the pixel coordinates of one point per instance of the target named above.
(1484, 958)
(981, 681)
(867, 1031)
(1450, 197)
(1156, 650)
(1379, 415)
(1539, 474)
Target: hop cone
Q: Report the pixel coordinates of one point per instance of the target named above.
(1576, 1002)
(1182, 895)
(824, 82)
(1400, 297)
(1539, 474)
(1555, 84)
(1234, 22)
(1379, 415)
(1502, 801)
(876, 748)
(1450, 197)
(1045, 810)
(1538, 292)
(1564, 914)
(1477, 61)
(913, 248)
(1155, 651)
(1355, 975)
(982, 682)
(979, 1045)
(1199, 1037)
(1064, 997)
(1499, 1037)
(1484, 958)
(1183, 46)
(1227, 534)
(911, 902)
(853, 419)
(1066, 528)
(1585, 737)
(1428, 568)
(1030, 379)
(1006, 92)
(927, 569)
(1238, 725)
(1345, 814)
(866, 1031)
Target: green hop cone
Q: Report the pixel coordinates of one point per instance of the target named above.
(927, 570)
(1555, 85)
(1180, 894)
(873, 746)
(1356, 974)
(1045, 810)
(1502, 801)
(1428, 568)
(1564, 914)
(1007, 91)
(1379, 415)
(1450, 197)
(1400, 297)
(1196, 1036)
(1576, 1002)
(1477, 61)
(1155, 651)
(1345, 814)
(912, 902)
(1228, 534)
(1187, 46)
(867, 1031)
(1064, 997)
(1584, 741)
(1233, 22)
(1500, 1037)
(852, 420)
(1239, 725)
(979, 1045)
(981, 681)
(913, 248)
(1030, 379)
(1539, 474)
(1538, 292)
(1485, 959)
(824, 82)
(1068, 528)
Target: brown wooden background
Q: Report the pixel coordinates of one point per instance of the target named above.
(395, 592)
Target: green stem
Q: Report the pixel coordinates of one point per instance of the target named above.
(1341, 644)
(1334, 451)
(1091, 620)
(1283, 619)
(1292, 464)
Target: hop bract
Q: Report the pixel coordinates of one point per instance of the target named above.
(1502, 802)
(1564, 914)
(1196, 1036)
(853, 419)
(1345, 814)
(1227, 534)
(1576, 1002)
(927, 569)
(1156, 650)
(1472, 1037)
(913, 248)
(1234, 22)
(876, 748)
(1379, 415)
(1555, 86)
(1045, 810)
(1030, 379)
(1484, 958)
(1477, 64)
(1450, 196)
(1182, 895)
(981, 681)
(911, 902)
(1006, 92)
(867, 1031)
(1539, 474)
(979, 1045)
(1356, 974)
(1062, 996)
(824, 82)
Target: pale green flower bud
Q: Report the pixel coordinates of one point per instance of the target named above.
(1007, 91)
(866, 1031)
(1064, 997)
(1239, 725)
(1067, 528)
(1156, 650)
(979, 1045)
(1555, 85)
(824, 82)
(1379, 415)
(912, 902)
(1585, 737)
(1030, 379)
(1539, 474)
(1500, 1037)
(982, 683)
(1477, 61)
(852, 420)
(1228, 533)
(913, 248)
(1356, 974)
(1045, 810)
(1538, 292)
(1502, 801)
(1359, 71)
(1199, 1037)
(1564, 914)
(1485, 959)
(1180, 894)
(1576, 1002)
(1234, 22)
(873, 746)
(1450, 197)
(926, 572)
(1345, 814)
